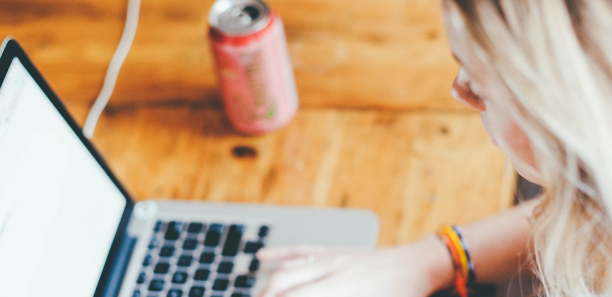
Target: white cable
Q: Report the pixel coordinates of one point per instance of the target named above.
(131, 23)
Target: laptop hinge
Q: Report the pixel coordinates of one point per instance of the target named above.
(111, 289)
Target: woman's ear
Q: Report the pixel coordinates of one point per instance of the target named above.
(463, 93)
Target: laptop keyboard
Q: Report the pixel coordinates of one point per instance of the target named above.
(196, 259)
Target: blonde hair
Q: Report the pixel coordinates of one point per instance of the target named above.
(548, 64)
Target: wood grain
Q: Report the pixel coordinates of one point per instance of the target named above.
(415, 171)
(359, 54)
(377, 128)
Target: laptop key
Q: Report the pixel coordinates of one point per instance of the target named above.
(142, 277)
(153, 243)
(252, 247)
(147, 260)
(173, 232)
(161, 268)
(244, 281)
(225, 267)
(254, 266)
(233, 240)
(190, 244)
(184, 261)
(174, 293)
(263, 231)
(136, 293)
(195, 228)
(196, 292)
(159, 225)
(166, 251)
(179, 278)
(213, 235)
(156, 285)
(201, 274)
(220, 284)
(207, 258)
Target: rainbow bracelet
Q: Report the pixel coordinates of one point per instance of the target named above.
(462, 262)
(471, 274)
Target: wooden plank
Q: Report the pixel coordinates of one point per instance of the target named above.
(368, 54)
(416, 171)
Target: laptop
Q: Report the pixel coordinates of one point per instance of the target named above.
(68, 228)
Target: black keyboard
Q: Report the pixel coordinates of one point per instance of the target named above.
(196, 259)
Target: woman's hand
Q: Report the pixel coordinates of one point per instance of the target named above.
(415, 270)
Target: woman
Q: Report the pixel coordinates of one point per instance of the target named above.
(540, 74)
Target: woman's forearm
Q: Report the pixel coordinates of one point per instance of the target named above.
(498, 247)
(417, 269)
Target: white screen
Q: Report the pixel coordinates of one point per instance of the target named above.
(59, 211)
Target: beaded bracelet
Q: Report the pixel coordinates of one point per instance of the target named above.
(471, 274)
(462, 263)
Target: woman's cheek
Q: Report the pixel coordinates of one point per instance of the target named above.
(492, 130)
(511, 139)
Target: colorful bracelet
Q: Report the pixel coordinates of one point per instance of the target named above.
(462, 262)
(471, 274)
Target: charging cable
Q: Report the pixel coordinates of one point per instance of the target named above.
(121, 53)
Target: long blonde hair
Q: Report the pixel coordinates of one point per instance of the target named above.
(548, 63)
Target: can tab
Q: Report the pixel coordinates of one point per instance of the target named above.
(239, 17)
(245, 15)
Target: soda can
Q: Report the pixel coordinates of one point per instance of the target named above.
(253, 65)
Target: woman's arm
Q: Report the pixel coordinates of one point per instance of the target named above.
(500, 245)
(497, 246)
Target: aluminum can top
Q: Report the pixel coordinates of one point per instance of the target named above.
(239, 17)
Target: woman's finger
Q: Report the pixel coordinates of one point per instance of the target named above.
(289, 252)
(298, 272)
(288, 277)
(323, 287)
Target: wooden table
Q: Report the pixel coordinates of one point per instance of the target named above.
(377, 127)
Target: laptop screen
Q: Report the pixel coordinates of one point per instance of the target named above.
(59, 210)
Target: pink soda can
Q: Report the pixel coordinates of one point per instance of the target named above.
(253, 65)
